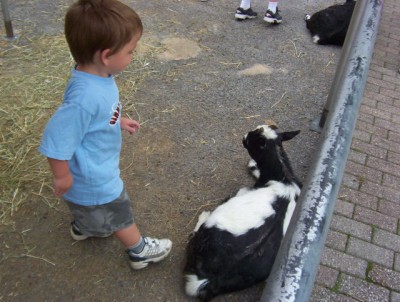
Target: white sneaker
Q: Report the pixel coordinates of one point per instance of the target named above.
(154, 251)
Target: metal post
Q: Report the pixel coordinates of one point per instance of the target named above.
(338, 79)
(293, 273)
(7, 19)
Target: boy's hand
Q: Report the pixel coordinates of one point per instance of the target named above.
(62, 178)
(62, 185)
(129, 125)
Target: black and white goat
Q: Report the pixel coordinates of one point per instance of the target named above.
(330, 25)
(234, 247)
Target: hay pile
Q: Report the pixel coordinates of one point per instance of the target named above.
(32, 81)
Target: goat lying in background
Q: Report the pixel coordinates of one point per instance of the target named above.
(330, 25)
(235, 246)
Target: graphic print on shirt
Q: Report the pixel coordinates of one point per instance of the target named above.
(115, 110)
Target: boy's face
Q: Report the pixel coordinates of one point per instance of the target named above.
(118, 61)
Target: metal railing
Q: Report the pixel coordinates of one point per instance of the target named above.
(293, 274)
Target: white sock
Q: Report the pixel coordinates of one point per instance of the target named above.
(245, 4)
(138, 247)
(272, 6)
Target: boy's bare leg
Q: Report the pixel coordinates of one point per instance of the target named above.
(129, 236)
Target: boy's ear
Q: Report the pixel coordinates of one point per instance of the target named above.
(104, 56)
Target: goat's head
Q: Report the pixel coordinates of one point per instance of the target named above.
(266, 141)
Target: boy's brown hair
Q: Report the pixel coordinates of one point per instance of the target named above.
(92, 25)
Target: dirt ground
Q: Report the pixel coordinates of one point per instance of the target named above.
(212, 80)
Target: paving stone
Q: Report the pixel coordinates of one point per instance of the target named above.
(387, 240)
(373, 129)
(344, 208)
(378, 55)
(327, 276)
(394, 157)
(371, 102)
(375, 112)
(351, 181)
(389, 208)
(374, 218)
(391, 78)
(385, 277)
(388, 92)
(397, 262)
(396, 118)
(380, 191)
(336, 240)
(368, 148)
(364, 172)
(385, 143)
(362, 290)
(381, 82)
(357, 157)
(393, 136)
(362, 135)
(377, 96)
(383, 123)
(384, 165)
(390, 63)
(370, 252)
(344, 262)
(396, 103)
(357, 197)
(391, 181)
(394, 297)
(387, 107)
(322, 294)
(351, 227)
(373, 87)
(378, 62)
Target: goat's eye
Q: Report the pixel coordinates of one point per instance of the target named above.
(261, 143)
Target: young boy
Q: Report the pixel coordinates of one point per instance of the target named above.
(272, 15)
(82, 140)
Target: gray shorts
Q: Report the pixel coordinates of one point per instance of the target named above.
(105, 219)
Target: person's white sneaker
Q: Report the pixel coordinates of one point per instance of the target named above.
(154, 251)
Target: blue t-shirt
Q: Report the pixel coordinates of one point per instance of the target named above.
(85, 130)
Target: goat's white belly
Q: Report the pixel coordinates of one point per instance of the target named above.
(244, 212)
(248, 210)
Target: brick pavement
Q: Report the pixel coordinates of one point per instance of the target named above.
(361, 260)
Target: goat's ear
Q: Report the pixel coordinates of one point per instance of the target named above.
(285, 136)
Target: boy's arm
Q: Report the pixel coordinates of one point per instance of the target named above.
(129, 125)
(62, 178)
